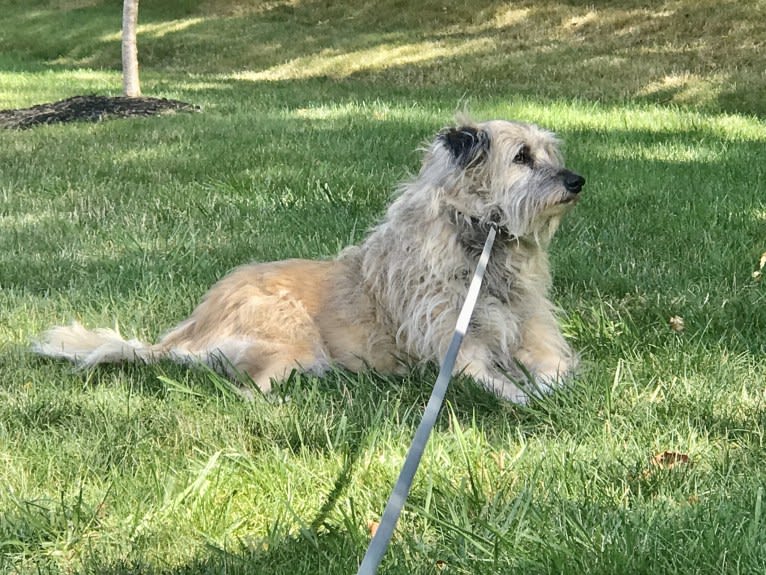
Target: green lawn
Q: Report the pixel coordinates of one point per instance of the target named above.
(312, 112)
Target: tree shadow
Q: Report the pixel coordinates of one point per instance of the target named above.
(645, 212)
(242, 214)
(682, 54)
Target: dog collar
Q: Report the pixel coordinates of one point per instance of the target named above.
(481, 227)
(503, 233)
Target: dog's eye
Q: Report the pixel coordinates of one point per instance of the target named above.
(523, 156)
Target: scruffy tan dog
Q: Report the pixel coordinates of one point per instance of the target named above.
(393, 300)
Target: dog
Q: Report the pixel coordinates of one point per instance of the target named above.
(392, 301)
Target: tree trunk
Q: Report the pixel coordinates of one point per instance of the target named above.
(130, 84)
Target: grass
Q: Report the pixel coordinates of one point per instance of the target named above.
(312, 112)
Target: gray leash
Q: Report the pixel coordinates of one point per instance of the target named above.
(380, 540)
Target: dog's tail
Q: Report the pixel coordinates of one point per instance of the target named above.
(88, 347)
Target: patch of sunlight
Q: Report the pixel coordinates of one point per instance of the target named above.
(331, 63)
(156, 29)
(740, 127)
(613, 21)
(65, 5)
(662, 152)
(18, 221)
(26, 79)
(643, 117)
(198, 84)
(21, 89)
(684, 88)
(506, 17)
(376, 111)
(86, 75)
(238, 8)
(606, 61)
(581, 19)
(148, 154)
(321, 113)
(34, 15)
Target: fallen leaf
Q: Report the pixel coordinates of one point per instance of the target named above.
(757, 274)
(669, 459)
(665, 460)
(372, 527)
(676, 323)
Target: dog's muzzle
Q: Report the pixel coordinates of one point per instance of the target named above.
(573, 184)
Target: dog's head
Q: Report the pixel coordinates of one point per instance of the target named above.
(507, 173)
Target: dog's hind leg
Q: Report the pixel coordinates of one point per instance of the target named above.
(265, 361)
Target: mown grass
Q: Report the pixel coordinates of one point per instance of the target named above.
(312, 113)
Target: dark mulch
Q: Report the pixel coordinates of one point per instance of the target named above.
(90, 109)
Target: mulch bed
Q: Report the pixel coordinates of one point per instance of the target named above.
(91, 109)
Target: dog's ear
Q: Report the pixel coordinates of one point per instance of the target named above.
(468, 145)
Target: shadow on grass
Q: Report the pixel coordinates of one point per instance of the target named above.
(698, 53)
(225, 212)
(316, 545)
(643, 277)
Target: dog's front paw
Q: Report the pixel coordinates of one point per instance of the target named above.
(505, 389)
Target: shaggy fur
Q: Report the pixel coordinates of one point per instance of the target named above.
(393, 300)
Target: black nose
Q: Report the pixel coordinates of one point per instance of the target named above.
(573, 182)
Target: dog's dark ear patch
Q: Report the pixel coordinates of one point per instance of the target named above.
(468, 145)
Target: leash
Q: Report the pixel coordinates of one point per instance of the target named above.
(380, 540)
